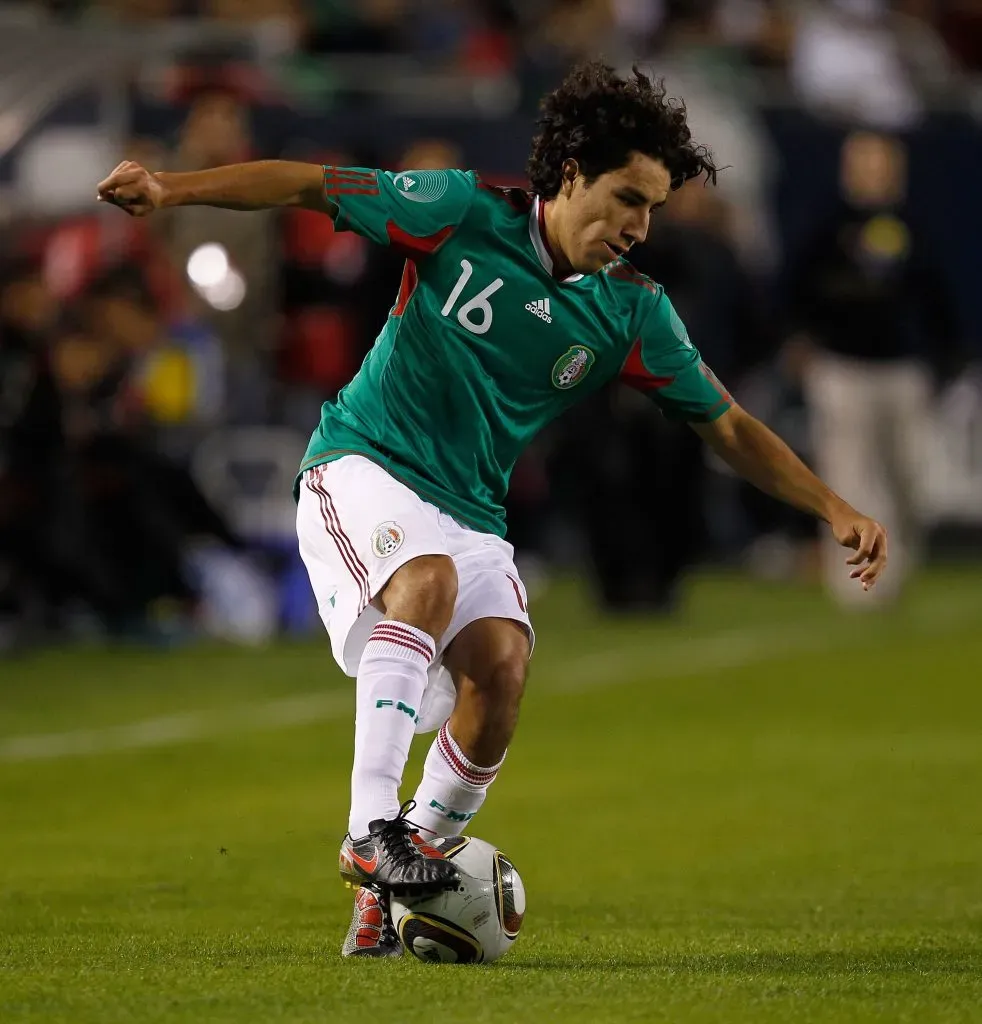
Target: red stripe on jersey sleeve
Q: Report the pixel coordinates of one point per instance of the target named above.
(406, 288)
(341, 182)
(410, 245)
(636, 375)
(716, 382)
(346, 173)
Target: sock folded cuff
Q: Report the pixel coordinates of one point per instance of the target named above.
(395, 639)
(465, 769)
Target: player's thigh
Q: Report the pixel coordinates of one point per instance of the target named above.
(490, 636)
(357, 526)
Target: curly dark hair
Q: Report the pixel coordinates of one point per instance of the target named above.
(597, 118)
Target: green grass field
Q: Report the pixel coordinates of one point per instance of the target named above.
(765, 811)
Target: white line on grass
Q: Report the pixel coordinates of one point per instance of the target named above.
(685, 657)
(184, 728)
(669, 659)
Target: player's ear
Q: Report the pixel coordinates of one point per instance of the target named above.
(570, 170)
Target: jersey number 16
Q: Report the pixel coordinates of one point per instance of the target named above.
(475, 314)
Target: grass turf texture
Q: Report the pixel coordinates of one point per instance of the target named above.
(763, 811)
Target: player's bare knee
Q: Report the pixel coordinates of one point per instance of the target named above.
(423, 593)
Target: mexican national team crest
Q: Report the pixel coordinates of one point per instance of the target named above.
(572, 366)
(387, 539)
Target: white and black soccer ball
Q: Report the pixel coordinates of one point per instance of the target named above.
(475, 923)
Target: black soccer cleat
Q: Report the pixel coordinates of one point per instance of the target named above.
(371, 933)
(394, 857)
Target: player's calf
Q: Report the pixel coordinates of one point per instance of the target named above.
(488, 662)
(486, 713)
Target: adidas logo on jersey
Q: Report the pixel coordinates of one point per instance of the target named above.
(541, 309)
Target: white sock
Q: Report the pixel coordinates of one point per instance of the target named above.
(452, 790)
(391, 679)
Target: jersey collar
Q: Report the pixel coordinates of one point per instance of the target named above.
(537, 232)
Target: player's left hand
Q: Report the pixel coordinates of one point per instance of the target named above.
(868, 540)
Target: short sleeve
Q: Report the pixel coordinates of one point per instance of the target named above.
(413, 211)
(666, 365)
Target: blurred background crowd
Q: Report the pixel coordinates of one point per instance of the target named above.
(159, 377)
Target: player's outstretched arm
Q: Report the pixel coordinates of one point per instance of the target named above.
(761, 457)
(260, 185)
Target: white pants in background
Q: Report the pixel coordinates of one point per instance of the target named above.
(870, 423)
(356, 525)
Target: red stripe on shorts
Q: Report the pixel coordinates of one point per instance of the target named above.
(342, 542)
(362, 570)
(518, 593)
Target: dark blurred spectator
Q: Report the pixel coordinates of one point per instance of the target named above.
(762, 29)
(252, 11)
(64, 534)
(237, 273)
(718, 87)
(575, 30)
(30, 435)
(690, 251)
(30, 418)
(651, 471)
(116, 515)
(432, 154)
(863, 61)
(490, 42)
(871, 313)
(372, 26)
(279, 27)
(172, 366)
(960, 25)
(136, 10)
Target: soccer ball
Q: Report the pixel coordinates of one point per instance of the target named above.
(475, 923)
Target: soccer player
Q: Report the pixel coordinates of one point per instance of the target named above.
(513, 306)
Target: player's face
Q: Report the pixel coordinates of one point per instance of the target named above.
(604, 219)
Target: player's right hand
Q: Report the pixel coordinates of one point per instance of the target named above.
(132, 188)
(867, 538)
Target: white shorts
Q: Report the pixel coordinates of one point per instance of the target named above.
(357, 525)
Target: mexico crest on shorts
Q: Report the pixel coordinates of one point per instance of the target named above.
(572, 366)
(387, 539)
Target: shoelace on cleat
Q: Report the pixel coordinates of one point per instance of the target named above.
(396, 837)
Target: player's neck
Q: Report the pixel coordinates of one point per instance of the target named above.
(561, 267)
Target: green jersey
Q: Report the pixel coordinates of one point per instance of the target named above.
(484, 345)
